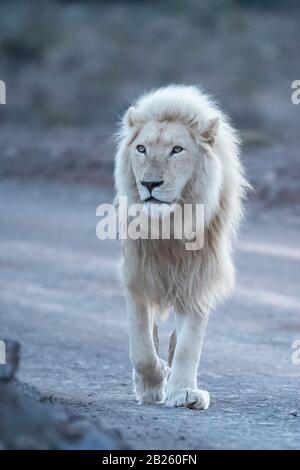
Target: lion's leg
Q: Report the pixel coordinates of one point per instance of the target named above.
(182, 388)
(149, 371)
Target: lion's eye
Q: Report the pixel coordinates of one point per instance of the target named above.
(177, 149)
(141, 148)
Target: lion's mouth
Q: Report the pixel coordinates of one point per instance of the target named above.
(154, 200)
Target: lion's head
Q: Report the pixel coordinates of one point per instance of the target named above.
(176, 146)
(163, 158)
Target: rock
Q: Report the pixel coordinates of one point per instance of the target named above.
(27, 421)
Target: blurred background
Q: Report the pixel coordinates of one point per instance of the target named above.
(71, 69)
(78, 65)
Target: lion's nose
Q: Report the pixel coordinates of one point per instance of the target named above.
(150, 185)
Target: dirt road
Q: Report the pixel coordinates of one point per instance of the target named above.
(60, 297)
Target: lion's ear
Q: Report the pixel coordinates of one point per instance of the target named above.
(130, 118)
(210, 130)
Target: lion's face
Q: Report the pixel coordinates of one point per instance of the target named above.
(163, 158)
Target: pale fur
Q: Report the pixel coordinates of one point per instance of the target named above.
(162, 273)
(159, 274)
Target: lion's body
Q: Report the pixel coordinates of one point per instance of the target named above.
(159, 274)
(163, 273)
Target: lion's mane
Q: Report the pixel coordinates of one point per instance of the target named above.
(162, 273)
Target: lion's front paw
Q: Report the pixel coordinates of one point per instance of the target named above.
(190, 398)
(149, 387)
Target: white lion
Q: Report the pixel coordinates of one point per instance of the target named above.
(176, 146)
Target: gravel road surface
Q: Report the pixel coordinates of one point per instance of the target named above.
(61, 298)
